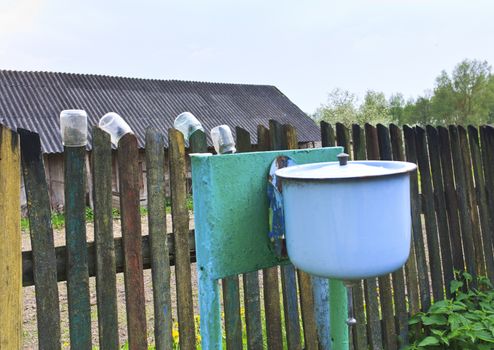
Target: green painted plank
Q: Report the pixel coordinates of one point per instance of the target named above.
(40, 229)
(129, 173)
(75, 236)
(155, 176)
(106, 287)
(180, 216)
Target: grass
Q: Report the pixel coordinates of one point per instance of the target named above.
(58, 218)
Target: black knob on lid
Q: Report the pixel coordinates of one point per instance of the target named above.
(343, 158)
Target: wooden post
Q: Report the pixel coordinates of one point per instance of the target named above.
(106, 287)
(155, 159)
(10, 236)
(180, 215)
(43, 248)
(75, 236)
(129, 173)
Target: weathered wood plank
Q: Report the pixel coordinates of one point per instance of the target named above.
(485, 216)
(180, 215)
(271, 290)
(75, 236)
(61, 256)
(327, 134)
(155, 175)
(304, 280)
(418, 238)
(343, 137)
(461, 191)
(385, 287)
(411, 265)
(106, 287)
(370, 284)
(429, 215)
(472, 202)
(252, 299)
(10, 236)
(45, 268)
(487, 145)
(128, 171)
(451, 199)
(440, 206)
(360, 332)
(288, 278)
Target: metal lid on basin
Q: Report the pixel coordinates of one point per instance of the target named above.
(350, 170)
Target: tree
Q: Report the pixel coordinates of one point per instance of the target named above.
(340, 107)
(374, 109)
(465, 97)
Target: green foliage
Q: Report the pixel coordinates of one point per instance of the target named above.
(466, 321)
(466, 96)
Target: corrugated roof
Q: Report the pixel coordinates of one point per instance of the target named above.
(33, 100)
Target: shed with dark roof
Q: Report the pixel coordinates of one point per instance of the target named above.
(33, 100)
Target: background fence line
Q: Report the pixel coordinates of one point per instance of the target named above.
(452, 225)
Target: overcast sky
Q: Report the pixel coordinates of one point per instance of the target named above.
(305, 48)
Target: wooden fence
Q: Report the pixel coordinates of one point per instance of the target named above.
(452, 230)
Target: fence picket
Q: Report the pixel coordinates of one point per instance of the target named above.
(43, 248)
(487, 142)
(106, 278)
(360, 329)
(128, 172)
(440, 206)
(155, 160)
(485, 219)
(451, 198)
(11, 243)
(370, 284)
(418, 239)
(472, 202)
(304, 279)
(429, 215)
(180, 216)
(75, 237)
(327, 135)
(288, 278)
(270, 276)
(399, 283)
(385, 288)
(252, 299)
(461, 190)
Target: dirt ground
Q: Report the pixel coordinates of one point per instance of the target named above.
(30, 332)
